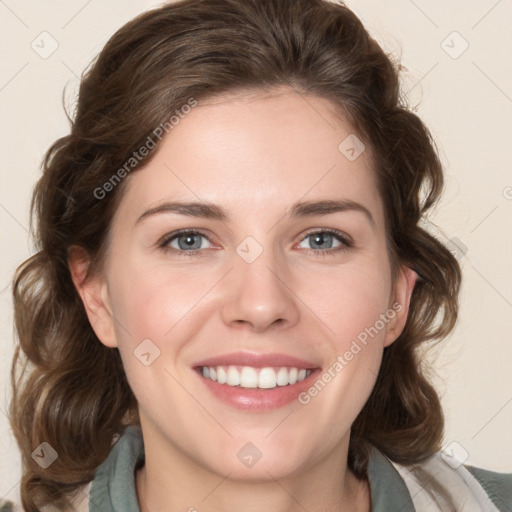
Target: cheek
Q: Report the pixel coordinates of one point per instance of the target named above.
(151, 301)
(154, 317)
(349, 300)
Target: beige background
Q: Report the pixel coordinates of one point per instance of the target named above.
(465, 97)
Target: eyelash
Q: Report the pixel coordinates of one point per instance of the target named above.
(345, 241)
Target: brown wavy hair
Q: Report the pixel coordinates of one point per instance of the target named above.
(70, 390)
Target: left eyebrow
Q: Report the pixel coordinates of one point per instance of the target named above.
(326, 207)
(299, 209)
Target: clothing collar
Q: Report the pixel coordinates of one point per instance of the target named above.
(387, 488)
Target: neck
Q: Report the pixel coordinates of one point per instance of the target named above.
(170, 480)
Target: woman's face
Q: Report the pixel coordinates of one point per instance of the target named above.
(281, 272)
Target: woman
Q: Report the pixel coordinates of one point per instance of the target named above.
(232, 286)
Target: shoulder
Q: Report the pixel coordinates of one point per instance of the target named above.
(443, 483)
(9, 506)
(113, 486)
(79, 500)
(498, 486)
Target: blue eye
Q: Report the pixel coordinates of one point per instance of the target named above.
(321, 240)
(184, 241)
(326, 241)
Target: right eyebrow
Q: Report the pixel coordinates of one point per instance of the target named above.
(192, 209)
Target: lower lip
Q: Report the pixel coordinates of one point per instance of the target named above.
(255, 399)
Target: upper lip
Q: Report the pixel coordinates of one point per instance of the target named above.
(257, 360)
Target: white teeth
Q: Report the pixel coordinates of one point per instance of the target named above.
(282, 377)
(248, 377)
(221, 375)
(233, 376)
(267, 378)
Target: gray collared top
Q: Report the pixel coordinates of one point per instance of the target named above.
(113, 488)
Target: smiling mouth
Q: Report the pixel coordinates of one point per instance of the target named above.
(250, 377)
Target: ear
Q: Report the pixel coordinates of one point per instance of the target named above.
(400, 303)
(93, 291)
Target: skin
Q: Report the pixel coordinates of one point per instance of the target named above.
(254, 155)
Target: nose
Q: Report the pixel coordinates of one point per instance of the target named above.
(259, 295)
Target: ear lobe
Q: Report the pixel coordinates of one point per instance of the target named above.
(404, 288)
(94, 294)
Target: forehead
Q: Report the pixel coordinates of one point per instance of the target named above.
(254, 151)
